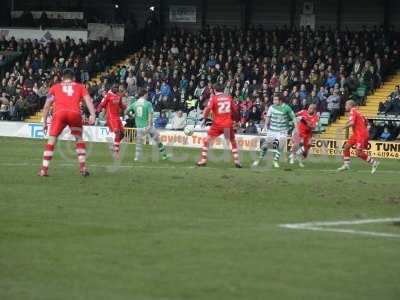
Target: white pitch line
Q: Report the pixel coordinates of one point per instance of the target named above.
(336, 223)
(322, 226)
(22, 164)
(351, 231)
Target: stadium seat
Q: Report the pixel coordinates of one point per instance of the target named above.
(190, 121)
(325, 114)
(324, 121)
(360, 93)
(192, 114)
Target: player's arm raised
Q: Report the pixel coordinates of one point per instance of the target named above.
(89, 104)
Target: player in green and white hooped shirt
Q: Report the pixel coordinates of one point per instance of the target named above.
(143, 111)
(277, 125)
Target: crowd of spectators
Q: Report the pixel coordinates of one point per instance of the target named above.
(322, 67)
(24, 84)
(384, 130)
(387, 130)
(391, 106)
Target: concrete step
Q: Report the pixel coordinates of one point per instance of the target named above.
(368, 109)
(379, 95)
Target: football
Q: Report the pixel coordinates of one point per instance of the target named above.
(188, 130)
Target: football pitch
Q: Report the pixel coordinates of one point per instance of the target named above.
(166, 230)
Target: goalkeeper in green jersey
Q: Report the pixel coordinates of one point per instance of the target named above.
(277, 125)
(143, 111)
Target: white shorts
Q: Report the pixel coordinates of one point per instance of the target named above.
(275, 139)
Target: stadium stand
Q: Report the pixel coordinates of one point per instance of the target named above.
(24, 84)
(322, 67)
(374, 106)
(385, 128)
(391, 106)
(46, 19)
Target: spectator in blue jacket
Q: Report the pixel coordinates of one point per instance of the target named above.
(386, 135)
(303, 93)
(331, 80)
(165, 89)
(161, 121)
(184, 83)
(211, 62)
(155, 96)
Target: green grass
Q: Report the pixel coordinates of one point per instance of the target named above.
(166, 230)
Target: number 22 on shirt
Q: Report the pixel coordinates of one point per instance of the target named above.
(224, 107)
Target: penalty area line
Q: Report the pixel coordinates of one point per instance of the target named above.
(328, 227)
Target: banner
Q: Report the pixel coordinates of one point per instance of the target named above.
(113, 32)
(334, 148)
(35, 131)
(179, 139)
(43, 36)
(182, 13)
(66, 15)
